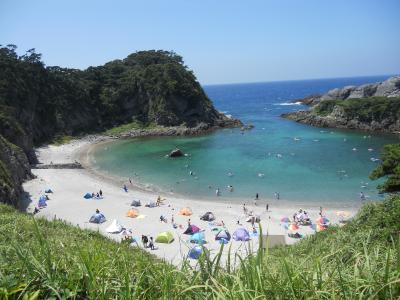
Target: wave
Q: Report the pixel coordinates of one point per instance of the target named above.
(288, 103)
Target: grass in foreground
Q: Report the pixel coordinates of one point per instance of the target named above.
(53, 259)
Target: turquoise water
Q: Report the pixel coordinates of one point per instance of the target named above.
(300, 162)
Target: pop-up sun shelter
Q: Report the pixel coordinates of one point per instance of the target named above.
(132, 213)
(195, 252)
(42, 201)
(115, 227)
(186, 211)
(97, 218)
(49, 191)
(136, 203)
(223, 234)
(165, 237)
(241, 234)
(208, 216)
(198, 238)
(191, 229)
(87, 196)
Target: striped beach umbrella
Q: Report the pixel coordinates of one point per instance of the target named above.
(322, 220)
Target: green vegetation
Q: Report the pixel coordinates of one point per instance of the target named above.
(128, 127)
(365, 109)
(390, 168)
(61, 139)
(360, 260)
(41, 104)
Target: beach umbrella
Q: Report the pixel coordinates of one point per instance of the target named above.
(186, 211)
(322, 220)
(293, 226)
(320, 227)
(285, 220)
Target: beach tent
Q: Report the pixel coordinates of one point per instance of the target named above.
(42, 201)
(97, 218)
(136, 203)
(191, 229)
(195, 252)
(132, 213)
(208, 216)
(256, 219)
(165, 237)
(216, 230)
(151, 204)
(49, 191)
(87, 196)
(115, 227)
(241, 234)
(186, 211)
(223, 234)
(322, 221)
(198, 238)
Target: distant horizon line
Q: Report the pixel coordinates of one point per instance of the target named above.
(306, 79)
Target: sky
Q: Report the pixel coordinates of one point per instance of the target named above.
(221, 41)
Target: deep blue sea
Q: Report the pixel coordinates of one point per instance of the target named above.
(300, 162)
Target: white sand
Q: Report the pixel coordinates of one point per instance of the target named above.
(67, 203)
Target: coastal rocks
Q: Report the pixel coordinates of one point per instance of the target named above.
(14, 169)
(247, 127)
(176, 153)
(339, 119)
(387, 88)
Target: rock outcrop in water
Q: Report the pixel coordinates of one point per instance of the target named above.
(379, 114)
(39, 103)
(370, 107)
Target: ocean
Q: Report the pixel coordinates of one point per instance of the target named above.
(300, 162)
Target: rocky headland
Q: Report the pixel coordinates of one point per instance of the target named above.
(371, 107)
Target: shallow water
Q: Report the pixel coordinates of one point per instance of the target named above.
(300, 162)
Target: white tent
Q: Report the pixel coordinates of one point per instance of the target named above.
(115, 227)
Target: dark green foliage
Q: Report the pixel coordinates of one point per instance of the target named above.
(390, 167)
(364, 109)
(360, 260)
(41, 104)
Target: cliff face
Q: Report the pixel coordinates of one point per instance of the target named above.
(38, 103)
(388, 88)
(379, 114)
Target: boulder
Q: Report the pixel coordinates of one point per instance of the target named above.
(176, 153)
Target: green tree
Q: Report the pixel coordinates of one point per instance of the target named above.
(390, 168)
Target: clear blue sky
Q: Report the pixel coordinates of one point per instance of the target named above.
(221, 41)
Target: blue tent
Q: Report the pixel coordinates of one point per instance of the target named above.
(87, 196)
(42, 201)
(198, 238)
(195, 252)
(97, 218)
(241, 234)
(48, 191)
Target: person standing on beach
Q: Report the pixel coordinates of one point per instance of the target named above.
(255, 200)
(217, 192)
(101, 193)
(320, 211)
(266, 207)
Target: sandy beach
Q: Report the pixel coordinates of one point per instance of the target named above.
(67, 203)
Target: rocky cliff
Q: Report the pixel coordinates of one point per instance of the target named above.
(388, 88)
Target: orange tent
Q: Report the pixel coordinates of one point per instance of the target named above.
(132, 213)
(186, 211)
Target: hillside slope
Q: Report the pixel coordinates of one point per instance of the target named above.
(360, 260)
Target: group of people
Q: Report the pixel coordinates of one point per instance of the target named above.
(301, 217)
(148, 242)
(98, 195)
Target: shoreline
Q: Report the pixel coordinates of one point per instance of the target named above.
(69, 186)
